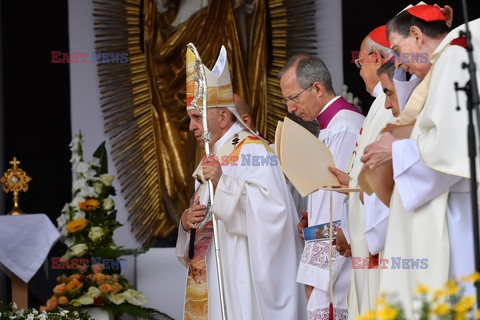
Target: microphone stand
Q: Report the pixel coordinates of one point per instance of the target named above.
(471, 90)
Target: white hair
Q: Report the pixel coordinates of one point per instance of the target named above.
(387, 53)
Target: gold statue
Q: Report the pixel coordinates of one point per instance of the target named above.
(15, 180)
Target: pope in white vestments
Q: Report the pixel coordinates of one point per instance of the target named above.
(256, 220)
(429, 237)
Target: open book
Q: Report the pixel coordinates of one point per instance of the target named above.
(304, 159)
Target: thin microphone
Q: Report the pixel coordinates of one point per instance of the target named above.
(191, 248)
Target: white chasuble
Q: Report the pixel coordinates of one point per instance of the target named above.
(364, 281)
(429, 230)
(258, 238)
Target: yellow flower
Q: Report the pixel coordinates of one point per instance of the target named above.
(381, 300)
(464, 305)
(441, 309)
(369, 315)
(460, 316)
(76, 225)
(438, 294)
(452, 287)
(421, 289)
(89, 205)
(474, 277)
(387, 313)
(477, 314)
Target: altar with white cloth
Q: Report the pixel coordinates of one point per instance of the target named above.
(25, 241)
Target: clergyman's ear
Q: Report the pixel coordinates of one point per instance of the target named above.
(318, 87)
(224, 117)
(416, 33)
(246, 118)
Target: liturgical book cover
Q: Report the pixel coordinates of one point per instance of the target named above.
(304, 159)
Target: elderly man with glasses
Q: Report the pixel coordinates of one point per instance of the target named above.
(306, 85)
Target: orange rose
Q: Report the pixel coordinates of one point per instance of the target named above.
(105, 288)
(62, 300)
(116, 287)
(42, 308)
(74, 284)
(60, 288)
(97, 268)
(89, 205)
(80, 277)
(76, 225)
(52, 304)
(99, 278)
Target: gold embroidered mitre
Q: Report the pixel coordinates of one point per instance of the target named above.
(219, 86)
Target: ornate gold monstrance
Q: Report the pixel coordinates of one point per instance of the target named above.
(15, 180)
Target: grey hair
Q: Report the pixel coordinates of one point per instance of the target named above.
(309, 69)
(389, 68)
(386, 53)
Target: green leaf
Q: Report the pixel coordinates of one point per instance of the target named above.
(136, 311)
(101, 153)
(109, 253)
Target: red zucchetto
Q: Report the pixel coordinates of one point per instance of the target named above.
(427, 13)
(379, 35)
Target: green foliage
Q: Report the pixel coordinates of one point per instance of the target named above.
(143, 313)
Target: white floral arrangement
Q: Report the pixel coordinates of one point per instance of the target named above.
(91, 189)
(33, 314)
(92, 261)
